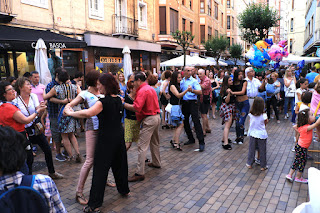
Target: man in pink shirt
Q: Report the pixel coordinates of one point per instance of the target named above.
(36, 87)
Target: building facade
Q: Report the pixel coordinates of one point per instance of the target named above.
(100, 28)
(203, 18)
(312, 28)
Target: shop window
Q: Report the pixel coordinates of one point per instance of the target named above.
(163, 20)
(174, 26)
(96, 9)
(37, 3)
(142, 15)
(228, 22)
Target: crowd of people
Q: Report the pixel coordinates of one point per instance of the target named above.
(119, 112)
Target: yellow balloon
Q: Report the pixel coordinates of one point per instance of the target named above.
(317, 66)
(262, 45)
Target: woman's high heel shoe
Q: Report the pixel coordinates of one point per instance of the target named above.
(177, 146)
(172, 143)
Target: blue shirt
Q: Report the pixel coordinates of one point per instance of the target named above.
(189, 96)
(311, 76)
(53, 109)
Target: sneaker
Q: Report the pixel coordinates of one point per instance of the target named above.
(286, 116)
(257, 161)
(301, 180)
(65, 153)
(60, 158)
(240, 141)
(293, 149)
(236, 141)
(278, 121)
(289, 178)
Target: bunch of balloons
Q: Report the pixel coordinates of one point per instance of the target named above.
(262, 52)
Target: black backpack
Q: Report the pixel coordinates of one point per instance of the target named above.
(22, 198)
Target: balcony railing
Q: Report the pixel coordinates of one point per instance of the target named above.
(6, 6)
(123, 25)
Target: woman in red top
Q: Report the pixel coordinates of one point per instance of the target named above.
(11, 116)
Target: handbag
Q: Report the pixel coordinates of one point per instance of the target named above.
(36, 128)
(168, 108)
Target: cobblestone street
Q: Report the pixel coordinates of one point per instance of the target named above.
(216, 180)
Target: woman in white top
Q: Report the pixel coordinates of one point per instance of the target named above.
(302, 86)
(289, 89)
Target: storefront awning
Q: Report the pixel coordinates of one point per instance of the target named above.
(113, 42)
(17, 38)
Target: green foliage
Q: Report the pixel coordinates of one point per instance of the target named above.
(216, 46)
(184, 39)
(256, 20)
(236, 52)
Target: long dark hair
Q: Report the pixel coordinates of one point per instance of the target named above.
(224, 85)
(303, 117)
(174, 80)
(257, 106)
(236, 76)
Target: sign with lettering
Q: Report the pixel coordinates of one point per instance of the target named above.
(57, 45)
(111, 60)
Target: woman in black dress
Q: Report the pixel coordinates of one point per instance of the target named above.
(110, 148)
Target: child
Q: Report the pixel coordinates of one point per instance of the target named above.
(258, 134)
(305, 118)
(46, 123)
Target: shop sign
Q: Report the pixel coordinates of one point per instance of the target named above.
(57, 45)
(111, 60)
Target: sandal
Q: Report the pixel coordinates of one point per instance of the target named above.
(172, 143)
(177, 146)
(229, 140)
(227, 147)
(81, 199)
(88, 209)
(264, 169)
(110, 183)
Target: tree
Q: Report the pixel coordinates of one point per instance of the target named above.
(184, 39)
(256, 20)
(216, 46)
(236, 52)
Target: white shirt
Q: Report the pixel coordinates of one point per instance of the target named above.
(300, 91)
(257, 127)
(253, 87)
(91, 99)
(32, 105)
(303, 107)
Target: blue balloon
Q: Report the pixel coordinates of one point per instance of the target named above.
(300, 65)
(269, 41)
(260, 59)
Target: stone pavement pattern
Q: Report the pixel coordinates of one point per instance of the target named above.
(216, 180)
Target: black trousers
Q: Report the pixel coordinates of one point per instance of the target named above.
(41, 140)
(272, 101)
(192, 108)
(106, 156)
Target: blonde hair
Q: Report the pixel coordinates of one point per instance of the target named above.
(286, 73)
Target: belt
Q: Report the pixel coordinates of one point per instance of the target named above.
(190, 101)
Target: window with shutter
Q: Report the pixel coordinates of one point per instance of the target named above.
(163, 20)
(173, 20)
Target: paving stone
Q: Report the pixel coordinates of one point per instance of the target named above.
(215, 180)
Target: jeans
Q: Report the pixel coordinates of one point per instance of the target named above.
(243, 108)
(41, 140)
(261, 144)
(286, 102)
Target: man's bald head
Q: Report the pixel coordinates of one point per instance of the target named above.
(188, 71)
